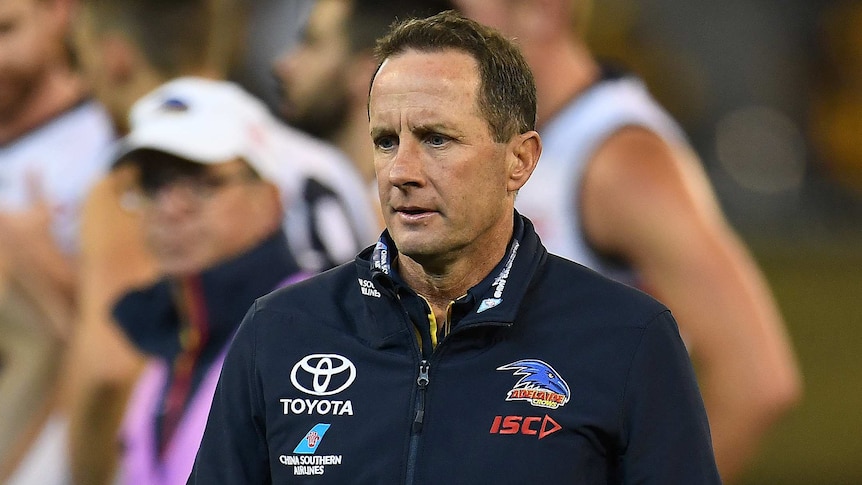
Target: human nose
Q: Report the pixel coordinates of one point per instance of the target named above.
(406, 168)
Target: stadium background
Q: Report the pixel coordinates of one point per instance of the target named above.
(771, 94)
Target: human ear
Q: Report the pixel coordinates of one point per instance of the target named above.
(525, 150)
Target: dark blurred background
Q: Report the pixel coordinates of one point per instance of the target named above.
(770, 92)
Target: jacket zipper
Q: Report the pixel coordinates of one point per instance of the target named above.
(419, 417)
(422, 381)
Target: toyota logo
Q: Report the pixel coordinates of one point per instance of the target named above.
(323, 374)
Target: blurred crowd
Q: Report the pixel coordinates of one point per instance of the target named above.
(165, 162)
(769, 95)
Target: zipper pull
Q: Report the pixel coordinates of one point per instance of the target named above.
(422, 381)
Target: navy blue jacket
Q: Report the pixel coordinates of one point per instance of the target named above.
(551, 374)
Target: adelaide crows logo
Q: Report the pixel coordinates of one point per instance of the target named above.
(540, 384)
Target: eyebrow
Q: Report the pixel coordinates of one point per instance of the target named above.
(430, 127)
(375, 132)
(422, 128)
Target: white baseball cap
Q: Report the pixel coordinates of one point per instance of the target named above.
(204, 121)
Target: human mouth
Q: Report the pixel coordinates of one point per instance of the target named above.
(414, 214)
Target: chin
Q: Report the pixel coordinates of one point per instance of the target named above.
(176, 267)
(177, 270)
(419, 250)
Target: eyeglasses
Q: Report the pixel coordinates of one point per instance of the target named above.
(194, 189)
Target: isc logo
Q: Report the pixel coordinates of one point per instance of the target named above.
(528, 425)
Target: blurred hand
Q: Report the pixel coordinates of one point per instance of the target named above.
(30, 259)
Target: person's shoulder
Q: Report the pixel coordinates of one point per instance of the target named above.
(590, 293)
(307, 147)
(86, 126)
(92, 111)
(616, 82)
(82, 132)
(328, 290)
(625, 96)
(318, 160)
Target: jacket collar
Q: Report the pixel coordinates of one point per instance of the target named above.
(496, 299)
(150, 318)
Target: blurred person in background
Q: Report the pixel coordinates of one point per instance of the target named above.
(203, 167)
(620, 190)
(53, 141)
(128, 49)
(324, 79)
(272, 26)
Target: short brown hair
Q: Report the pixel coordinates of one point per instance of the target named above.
(507, 91)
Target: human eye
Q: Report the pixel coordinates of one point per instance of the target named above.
(7, 26)
(208, 183)
(385, 142)
(436, 139)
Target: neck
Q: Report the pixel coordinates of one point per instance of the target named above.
(58, 91)
(441, 280)
(562, 69)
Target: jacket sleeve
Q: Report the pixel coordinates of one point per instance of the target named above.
(233, 449)
(665, 431)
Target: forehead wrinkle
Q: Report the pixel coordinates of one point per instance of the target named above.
(420, 120)
(444, 79)
(416, 110)
(424, 89)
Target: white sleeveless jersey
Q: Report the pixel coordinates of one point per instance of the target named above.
(329, 217)
(550, 198)
(63, 158)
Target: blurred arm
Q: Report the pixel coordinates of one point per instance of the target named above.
(103, 364)
(654, 207)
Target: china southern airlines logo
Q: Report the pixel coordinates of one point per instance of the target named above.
(305, 461)
(540, 384)
(308, 444)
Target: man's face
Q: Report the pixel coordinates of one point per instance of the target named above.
(441, 176)
(195, 219)
(29, 43)
(313, 76)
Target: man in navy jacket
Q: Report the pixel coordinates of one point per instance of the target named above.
(456, 350)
